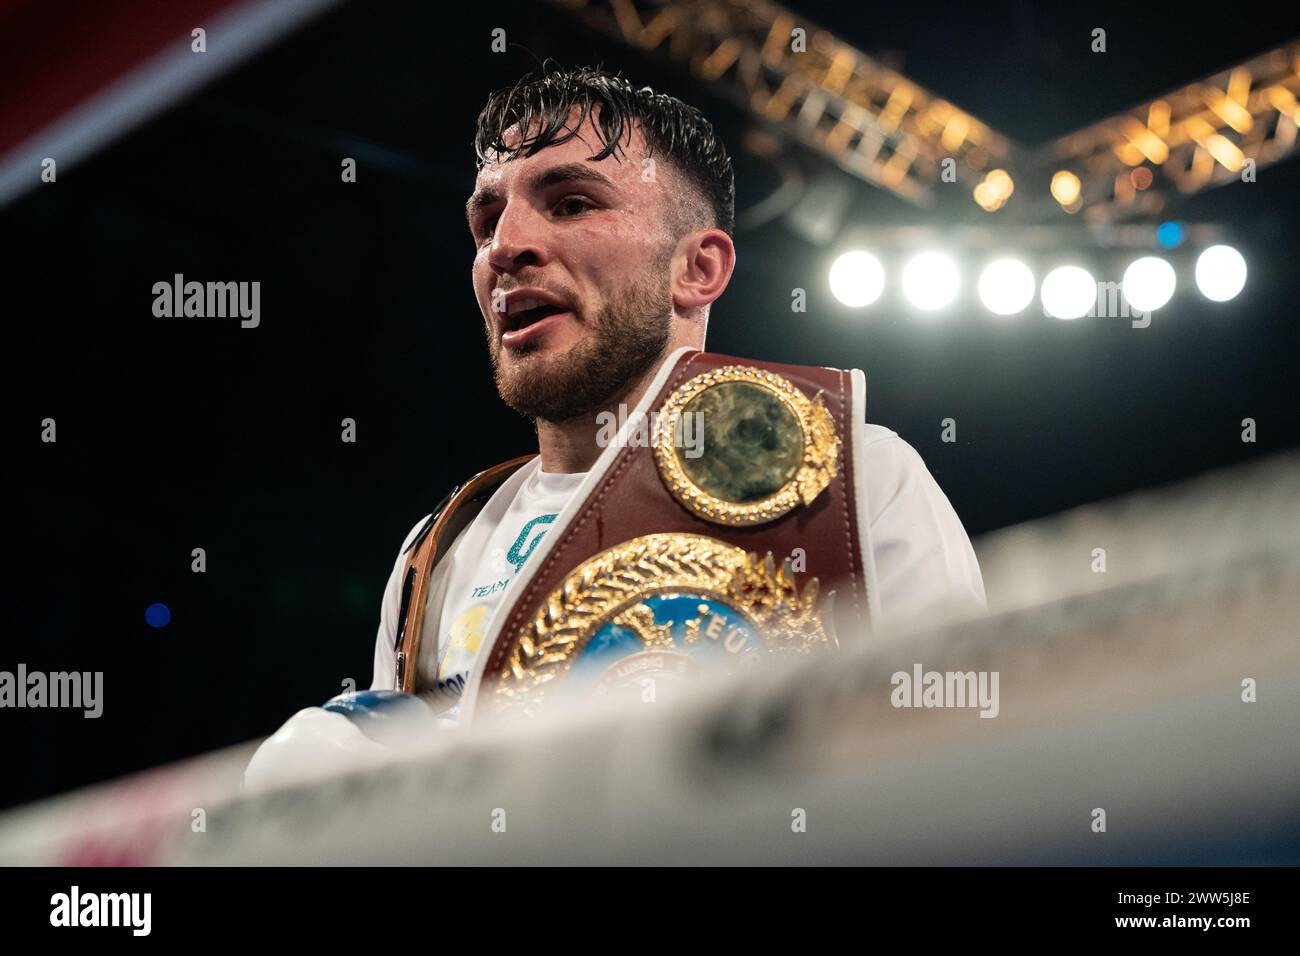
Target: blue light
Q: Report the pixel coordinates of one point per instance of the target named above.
(1170, 234)
(157, 615)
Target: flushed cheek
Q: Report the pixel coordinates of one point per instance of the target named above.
(612, 243)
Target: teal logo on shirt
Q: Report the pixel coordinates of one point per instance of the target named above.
(515, 555)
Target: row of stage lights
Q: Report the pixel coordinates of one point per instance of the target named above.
(931, 280)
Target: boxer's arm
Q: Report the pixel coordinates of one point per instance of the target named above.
(924, 562)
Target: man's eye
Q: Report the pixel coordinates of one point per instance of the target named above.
(575, 204)
(580, 201)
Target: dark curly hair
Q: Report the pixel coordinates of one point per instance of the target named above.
(670, 127)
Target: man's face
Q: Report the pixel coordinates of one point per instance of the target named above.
(590, 237)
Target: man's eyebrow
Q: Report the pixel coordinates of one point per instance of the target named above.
(563, 173)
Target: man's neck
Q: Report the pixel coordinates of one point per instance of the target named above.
(572, 446)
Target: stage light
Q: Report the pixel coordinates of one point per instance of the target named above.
(857, 279)
(1066, 187)
(1220, 273)
(1068, 292)
(1170, 234)
(1006, 286)
(930, 281)
(1001, 180)
(994, 190)
(1148, 283)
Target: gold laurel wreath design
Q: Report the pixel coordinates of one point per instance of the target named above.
(612, 583)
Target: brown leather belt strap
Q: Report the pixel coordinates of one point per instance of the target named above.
(423, 554)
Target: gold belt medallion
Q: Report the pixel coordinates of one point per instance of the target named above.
(764, 447)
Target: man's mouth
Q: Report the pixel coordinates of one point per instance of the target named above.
(530, 321)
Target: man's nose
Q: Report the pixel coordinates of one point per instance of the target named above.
(517, 240)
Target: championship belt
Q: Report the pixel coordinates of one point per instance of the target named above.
(719, 527)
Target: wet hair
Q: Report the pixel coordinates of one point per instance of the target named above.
(671, 128)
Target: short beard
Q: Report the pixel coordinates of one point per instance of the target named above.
(628, 338)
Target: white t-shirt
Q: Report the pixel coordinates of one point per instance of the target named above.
(921, 559)
(478, 568)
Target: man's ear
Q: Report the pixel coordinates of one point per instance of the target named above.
(703, 265)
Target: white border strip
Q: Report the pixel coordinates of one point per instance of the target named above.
(858, 408)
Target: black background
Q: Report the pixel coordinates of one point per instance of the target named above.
(177, 434)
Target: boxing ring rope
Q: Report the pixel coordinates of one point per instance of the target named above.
(1120, 691)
